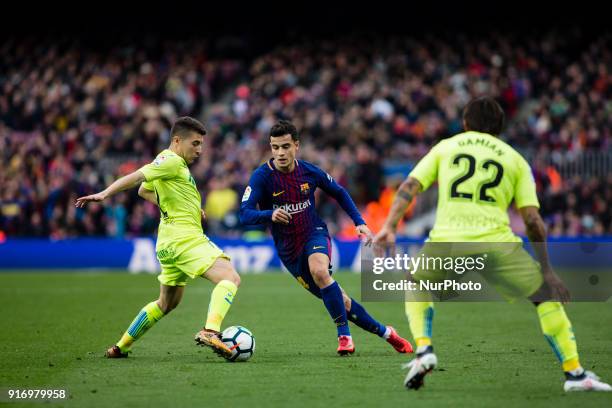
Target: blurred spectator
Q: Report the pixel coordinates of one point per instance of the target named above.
(220, 200)
(73, 118)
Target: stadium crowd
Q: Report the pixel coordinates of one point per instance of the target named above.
(72, 119)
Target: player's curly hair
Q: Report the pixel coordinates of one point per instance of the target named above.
(484, 115)
(185, 126)
(284, 127)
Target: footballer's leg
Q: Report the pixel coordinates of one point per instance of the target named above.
(202, 258)
(357, 314)
(558, 331)
(318, 265)
(419, 310)
(226, 280)
(420, 318)
(518, 275)
(169, 298)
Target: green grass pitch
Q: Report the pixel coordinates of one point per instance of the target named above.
(56, 327)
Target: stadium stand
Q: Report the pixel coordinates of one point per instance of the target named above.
(73, 117)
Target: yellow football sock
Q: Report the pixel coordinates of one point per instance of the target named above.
(148, 316)
(420, 318)
(220, 302)
(557, 329)
(571, 364)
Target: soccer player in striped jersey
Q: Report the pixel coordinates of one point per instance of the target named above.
(284, 188)
(478, 177)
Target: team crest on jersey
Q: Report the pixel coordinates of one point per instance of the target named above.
(305, 188)
(247, 194)
(159, 160)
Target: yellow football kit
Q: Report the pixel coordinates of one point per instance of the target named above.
(182, 248)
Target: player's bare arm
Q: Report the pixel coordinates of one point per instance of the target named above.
(406, 192)
(536, 232)
(147, 194)
(124, 183)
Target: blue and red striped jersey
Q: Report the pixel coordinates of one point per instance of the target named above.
(270, 189)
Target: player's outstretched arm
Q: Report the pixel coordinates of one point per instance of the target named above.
(406, 192)
(123, 183)
(536, 232)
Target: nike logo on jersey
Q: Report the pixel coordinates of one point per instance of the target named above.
(318, 247)
(277, 194)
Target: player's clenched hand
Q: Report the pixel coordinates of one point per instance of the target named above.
(281, 216)
(364, 230)
(203, 214)
(81, 201)
(558, 290)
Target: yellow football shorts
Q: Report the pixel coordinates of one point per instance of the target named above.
(515, 274)
(508, 267)
(187, 258)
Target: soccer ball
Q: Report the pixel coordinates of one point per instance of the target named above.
(241, 341)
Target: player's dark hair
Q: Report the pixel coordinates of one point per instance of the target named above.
(284, 127)
(484, 115)
(184, 126)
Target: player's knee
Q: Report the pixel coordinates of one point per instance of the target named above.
(231, 275)
(222, 270)
(235, 278)
(167, 306)
(321, 276)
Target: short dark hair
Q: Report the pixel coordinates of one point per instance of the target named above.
(284, 127)
(484, 115)
(185, 126)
